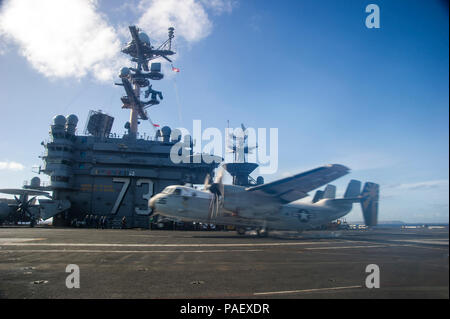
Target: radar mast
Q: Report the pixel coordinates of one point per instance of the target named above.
(240, 169)
(135, 79)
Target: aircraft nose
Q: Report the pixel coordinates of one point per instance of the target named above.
(157, 202)
(152, 202)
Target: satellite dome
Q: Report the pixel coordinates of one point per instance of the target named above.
(259, 180)
(35, 182)
(72, 119)
(124, 72)
(144, 38)
(166, 130)
(59, 120)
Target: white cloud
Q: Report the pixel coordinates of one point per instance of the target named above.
(188, 17)
(220, 6)
(417, 190)
(11, 166)
(62, 38)
(423, 185)
(71, 38)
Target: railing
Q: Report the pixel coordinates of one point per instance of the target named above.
(42, 184)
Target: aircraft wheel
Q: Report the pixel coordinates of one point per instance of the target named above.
(240, 231)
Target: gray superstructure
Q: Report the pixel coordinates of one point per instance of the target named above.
(102, 174)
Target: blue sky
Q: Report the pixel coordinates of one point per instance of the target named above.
(375, 100)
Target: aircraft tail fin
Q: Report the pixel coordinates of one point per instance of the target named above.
(369, 203)
(351, 195)
(353, 189)
(330, 192)
(318, 196)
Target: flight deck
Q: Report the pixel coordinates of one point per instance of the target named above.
(413, 263)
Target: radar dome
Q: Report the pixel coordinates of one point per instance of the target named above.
(72, 119)
(144, 38)
(260, 180)
(59, 120)
(35, 182)
(124, 72)
(165, 132)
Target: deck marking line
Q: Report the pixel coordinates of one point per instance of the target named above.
(345, 247)
(442, 242)
(304, 290)
(124, 251)
(166, 245)
(10, 240)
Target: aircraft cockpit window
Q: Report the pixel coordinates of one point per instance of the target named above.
(168, 190)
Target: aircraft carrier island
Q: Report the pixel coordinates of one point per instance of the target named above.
(101, 174)
(108, 176)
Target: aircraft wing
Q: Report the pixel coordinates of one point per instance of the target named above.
(296, 187)
(21, 191)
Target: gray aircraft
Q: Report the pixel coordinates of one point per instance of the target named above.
(24, 208)
(269, 206)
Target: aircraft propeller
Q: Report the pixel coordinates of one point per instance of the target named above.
(218, 191)
(23, 206)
